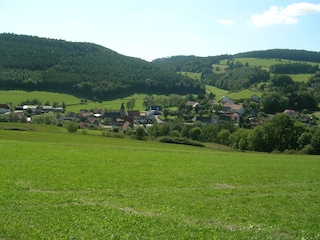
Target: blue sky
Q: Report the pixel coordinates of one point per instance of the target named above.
(150, 29)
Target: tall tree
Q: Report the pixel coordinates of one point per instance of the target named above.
(131, 103)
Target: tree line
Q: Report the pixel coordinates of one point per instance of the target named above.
(281, 133)
(290, 54)
(293, 68)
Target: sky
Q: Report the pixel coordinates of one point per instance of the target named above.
(150, 29)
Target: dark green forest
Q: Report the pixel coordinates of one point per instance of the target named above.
(33, 63)
(289, 54)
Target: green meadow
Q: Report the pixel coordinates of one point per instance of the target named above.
(56, 185)
(301, 77)
(15, 97)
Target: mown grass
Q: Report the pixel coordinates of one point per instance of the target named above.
(195, 76)
(56, 185)
(301, 77)
(15, 97)
(217, 91)
(244, 94)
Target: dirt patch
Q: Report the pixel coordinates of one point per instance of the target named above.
(222, 185)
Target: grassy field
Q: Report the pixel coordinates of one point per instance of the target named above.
(301, 77)
(15, 97)
(56, 185)
(244, 94)
(217, 91)
(195, 76)
(112, 104)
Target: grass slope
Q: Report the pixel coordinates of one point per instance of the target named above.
(55, 185)
(15, 97)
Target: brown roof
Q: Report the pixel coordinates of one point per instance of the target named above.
(133, 113)
(233, 106)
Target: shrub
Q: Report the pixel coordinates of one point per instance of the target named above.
(140, 133)
(72, 127)
(179, 140)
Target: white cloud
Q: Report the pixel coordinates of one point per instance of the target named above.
(284, 15)
(226, 22)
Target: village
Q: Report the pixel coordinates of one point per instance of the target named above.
(121, 119)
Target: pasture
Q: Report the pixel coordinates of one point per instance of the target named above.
(15, 97)
(56, 185)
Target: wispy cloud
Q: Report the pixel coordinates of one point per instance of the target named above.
(226, 22)
(284, 15)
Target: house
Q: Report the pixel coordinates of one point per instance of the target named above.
(5, 108)
(135, 114)
(92, 121)
(225, 99)
(109, 116)
(32, 109)
(231, 107)
(229, 117)
(192, 104)
(146, 118)
(203, 120)
(47, 109)
(157, 110)
(123, 123)
(71, 116)
(291, 113)
(85, 115)
(255, 98)
(38, 109)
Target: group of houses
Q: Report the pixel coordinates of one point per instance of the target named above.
(230, 112)
(95, 117)
(31, 109)
(121, 119)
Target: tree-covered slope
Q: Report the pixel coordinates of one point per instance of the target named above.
(236, 76)
(35, 63)
(201, 64)
(289, 54)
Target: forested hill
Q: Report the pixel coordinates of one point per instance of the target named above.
(289, 54)
(34, 63)
(204, 64)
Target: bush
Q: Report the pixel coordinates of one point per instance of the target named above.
(72, 127)
(179, 140)
(140, 133)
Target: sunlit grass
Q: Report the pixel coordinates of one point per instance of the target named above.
(217, 91)
(244, 94)
(56, 185)
(301, 77)
(15, 97)
(196, 76)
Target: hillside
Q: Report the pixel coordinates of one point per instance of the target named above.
(202, 64)
(33, 63)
